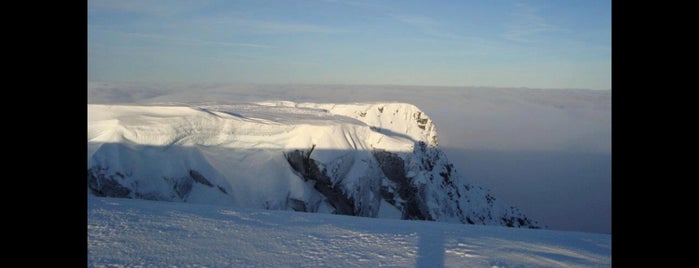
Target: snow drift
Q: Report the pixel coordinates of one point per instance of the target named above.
(364, 159)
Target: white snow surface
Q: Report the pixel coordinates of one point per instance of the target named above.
(143, 233)
(242, 143)
(268, 125)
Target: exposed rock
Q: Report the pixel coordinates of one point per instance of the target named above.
(307, 169)
(199, 178)
(102, 183)
(394, 169)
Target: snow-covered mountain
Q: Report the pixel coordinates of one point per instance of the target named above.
(364, 159)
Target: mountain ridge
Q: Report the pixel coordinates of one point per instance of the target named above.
(362, 159)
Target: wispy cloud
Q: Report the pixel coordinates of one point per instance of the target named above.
(277, 27)
(190, 41)
(149, 7)
(527, 24)
(369, 5)
(420, 21)
(428, 26)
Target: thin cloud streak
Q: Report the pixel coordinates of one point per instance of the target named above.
(151, 8)
(415, 20)
(277, 27)
(428, 26)
(186, 40)
(527, 25)
(360, 4)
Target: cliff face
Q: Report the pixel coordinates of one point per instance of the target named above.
(371, 160)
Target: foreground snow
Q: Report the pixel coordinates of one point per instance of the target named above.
(130, 232)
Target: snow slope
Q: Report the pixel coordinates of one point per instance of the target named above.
(362, 159)
(142, 233)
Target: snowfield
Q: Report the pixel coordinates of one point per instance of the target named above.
(143, 233)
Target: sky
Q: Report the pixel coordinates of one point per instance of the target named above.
(535, 44)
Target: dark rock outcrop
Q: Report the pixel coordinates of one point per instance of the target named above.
(102, 182)
(307, 168)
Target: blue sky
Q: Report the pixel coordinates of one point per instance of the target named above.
(536, 44)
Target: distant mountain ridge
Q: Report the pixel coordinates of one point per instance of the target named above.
(364, 159)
